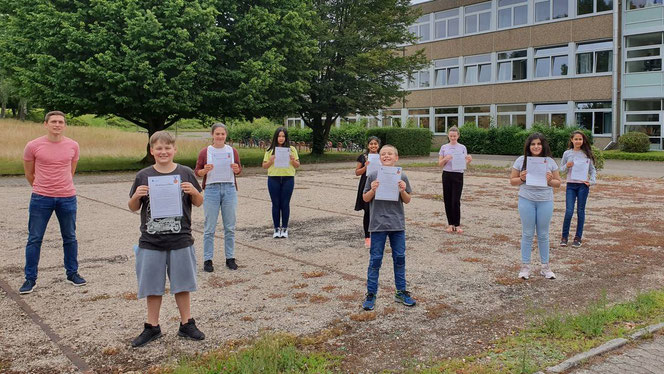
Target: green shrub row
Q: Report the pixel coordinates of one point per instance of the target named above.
(408, 141)
(648, 156)
(634, 141)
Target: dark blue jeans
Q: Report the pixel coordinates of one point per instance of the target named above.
(281, 190)
(41, 209)
(398, 244)
(575, 191)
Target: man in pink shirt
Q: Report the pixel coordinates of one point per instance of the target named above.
(49, 163)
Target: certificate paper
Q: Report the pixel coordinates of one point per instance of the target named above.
(374, 163)
(221, 172)
(536, 168)
(165, 196)
(458, 161)
(282, 157)
(579, 170)
(388, 183)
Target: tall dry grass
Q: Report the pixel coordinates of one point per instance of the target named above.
(94, 141)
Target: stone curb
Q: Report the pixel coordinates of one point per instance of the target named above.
(604, 348)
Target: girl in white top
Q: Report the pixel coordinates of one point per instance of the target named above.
(452, 179)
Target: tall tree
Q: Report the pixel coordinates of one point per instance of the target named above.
(155, 62)
(361, 65)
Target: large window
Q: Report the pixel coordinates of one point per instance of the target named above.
(638, 4)
(511, 115)
(593, 6)
(446, 24)
(447, 72)
(645, 116)
(419, 79)
(551, 62)
(391, 117)
(643, 53)
(551, 114)
(550, 9)
(477, 69)
(445, 118)
(477, 18)
(419, 117)
(479, 115)
(594, 58)
(422, 28)
(294, 122)
(512, 66)
(512, 13)
(594, 116)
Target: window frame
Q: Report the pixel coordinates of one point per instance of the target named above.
(446, 117)
(477, 115)
(554, 52)
(550, 13)
(445, 17)
(481, 61)
(594, 48)
(421, 24)
(512, 114)
(578, 111)
(595, 7)
(477, 14)
(628, 60)
(446, 65)
(511, 8)
(511, 61)
(550, 112)
(419, 116)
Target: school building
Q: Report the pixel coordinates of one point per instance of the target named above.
(519, 62)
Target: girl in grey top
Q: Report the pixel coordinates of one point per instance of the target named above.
(535, 204)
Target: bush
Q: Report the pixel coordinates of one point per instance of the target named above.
(409, 142)
(347, 133)
(599, 158)
(634, 141)
(120, 122)
(297, 134)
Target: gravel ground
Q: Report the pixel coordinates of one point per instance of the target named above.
(313, 282)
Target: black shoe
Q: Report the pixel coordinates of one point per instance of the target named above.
(27, 287)
(149, 334)
(76, 280)
(230, 263)
(207, 266)
(577, 242)
(190, 331)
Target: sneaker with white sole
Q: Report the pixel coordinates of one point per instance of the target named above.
(563, 242)
(76, 280)
(577, 242)
(284, 232)
(546, 272)
(277, 233)
(524, 273)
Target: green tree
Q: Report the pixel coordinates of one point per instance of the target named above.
(361, 64)
(155, 62)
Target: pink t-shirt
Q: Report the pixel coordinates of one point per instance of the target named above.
(52, 166)
(449, 149)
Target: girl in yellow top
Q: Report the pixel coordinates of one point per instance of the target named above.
(280, 181)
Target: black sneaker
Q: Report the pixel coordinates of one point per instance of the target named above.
(230, 263)
(207, 266)
(76, 280)
(577, 242)
(27, 287)
(563, 242)
(149, 334)
(190, 331)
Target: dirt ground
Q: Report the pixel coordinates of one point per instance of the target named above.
(313, 282)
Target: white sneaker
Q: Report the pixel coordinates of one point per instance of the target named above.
(524, 273)
(277, 233)
(546, 272)
(284, 232)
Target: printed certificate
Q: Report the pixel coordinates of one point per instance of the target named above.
(580, 169)
(222, 171)
(537, 168)
(282, 157)
(458, 161)
(374, 162)
(388, 183)
(165, 195)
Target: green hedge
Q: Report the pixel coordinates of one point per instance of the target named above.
(635, 142)
(408, 141)
(620, 155)
(509, 140)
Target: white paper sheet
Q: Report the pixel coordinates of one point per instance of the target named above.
(536, 168)
(374, 163)
(282, 157)
(458, 161)
(580, 168)
(221, 172)
(388, 183)
(165, 194)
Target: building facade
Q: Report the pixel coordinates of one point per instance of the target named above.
(521, 62)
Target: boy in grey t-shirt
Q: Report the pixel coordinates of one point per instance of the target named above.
(387, 220)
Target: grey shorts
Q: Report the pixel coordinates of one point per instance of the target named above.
(152, 267)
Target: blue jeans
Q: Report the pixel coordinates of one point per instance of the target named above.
(41, 209)
(535, 215)
(281, 190)
(219, 195)
(398, 244)
(575, 191)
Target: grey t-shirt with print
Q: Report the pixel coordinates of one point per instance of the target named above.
(536, 193)
(386, 215)
(171, 232)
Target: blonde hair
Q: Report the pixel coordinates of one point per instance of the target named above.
(162, 136)
(396, 151)
(453, 129)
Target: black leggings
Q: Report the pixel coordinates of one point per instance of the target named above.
(366, 221)
(452, 188)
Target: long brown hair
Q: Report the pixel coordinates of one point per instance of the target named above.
(546, 150)
(585, 147)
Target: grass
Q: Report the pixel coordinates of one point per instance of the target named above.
(112, 149)
(274, 353)
(555, 336)
(647, 156)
